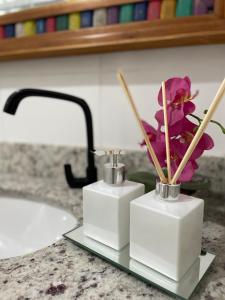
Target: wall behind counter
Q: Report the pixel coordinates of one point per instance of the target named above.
(93, 77)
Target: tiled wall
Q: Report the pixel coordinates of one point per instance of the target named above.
(94, 79)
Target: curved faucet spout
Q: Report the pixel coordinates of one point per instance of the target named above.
(11, 107)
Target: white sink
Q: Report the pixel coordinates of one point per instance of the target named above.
(27, 226)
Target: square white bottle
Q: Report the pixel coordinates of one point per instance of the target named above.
(166, 230)
(106, 205)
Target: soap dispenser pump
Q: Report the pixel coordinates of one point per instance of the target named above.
(106, 203)
(113, 171)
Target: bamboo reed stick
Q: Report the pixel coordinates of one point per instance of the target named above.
(200, 131)
(166, 132)
(149, 146)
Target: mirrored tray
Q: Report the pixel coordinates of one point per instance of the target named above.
(182, 289)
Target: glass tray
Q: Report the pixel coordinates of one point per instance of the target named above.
(182, 289)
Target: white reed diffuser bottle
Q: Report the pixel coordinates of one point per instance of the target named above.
(106, 204)
(166, 226)
(166, 230)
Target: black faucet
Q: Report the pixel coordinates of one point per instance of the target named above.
(12, 104)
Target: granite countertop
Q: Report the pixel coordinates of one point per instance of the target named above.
(64, 271)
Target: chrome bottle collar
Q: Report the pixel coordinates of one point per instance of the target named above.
(168, 192)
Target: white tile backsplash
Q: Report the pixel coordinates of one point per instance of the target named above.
(93, 78)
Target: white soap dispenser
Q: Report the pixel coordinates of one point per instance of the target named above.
(106, 204)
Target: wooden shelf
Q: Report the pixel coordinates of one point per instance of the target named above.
(60, 9)
(121, 37)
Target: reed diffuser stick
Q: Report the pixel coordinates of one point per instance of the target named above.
(200, 131)
(166, 131)
(148, 144)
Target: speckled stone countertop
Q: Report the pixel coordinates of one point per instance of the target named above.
(64, 271)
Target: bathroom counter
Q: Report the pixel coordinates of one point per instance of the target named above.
(67, 272)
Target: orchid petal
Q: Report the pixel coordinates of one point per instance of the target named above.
(187, 172)
(189, 108)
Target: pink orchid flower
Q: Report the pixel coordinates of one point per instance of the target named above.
(179, 146)
(157, 140)
(178, 96)
(181, 130)
(186, 136)
(176, 158)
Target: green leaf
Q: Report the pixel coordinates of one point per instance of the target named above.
(215, 122)
(197, 118)
(149, 180)
(212, 121)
